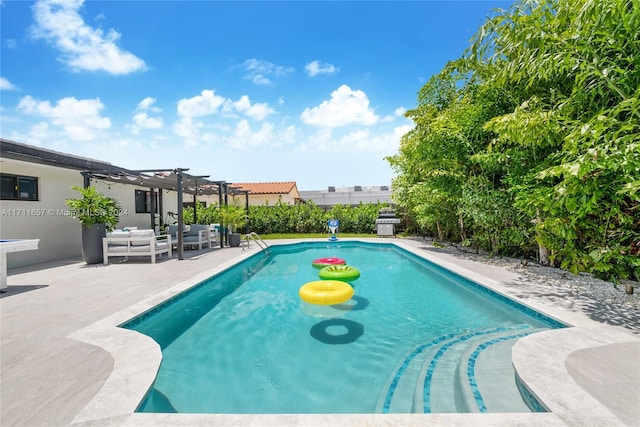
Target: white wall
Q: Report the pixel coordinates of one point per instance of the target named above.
(44, 219)
(125, 195)
(47, 219)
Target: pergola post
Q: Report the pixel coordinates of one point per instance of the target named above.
(86, 179)
(220, 185)
(154, 207)
(160, 209)
(226, 203)
(246, 203)
(195, 204)
(179, 233)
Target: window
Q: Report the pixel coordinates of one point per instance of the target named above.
(143, 201)
(16, 187)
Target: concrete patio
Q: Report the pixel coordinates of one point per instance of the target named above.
(51, 375)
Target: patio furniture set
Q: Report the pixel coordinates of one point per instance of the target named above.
(133, 242)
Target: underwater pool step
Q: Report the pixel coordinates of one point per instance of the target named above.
(398, 393)
(441, 390)
(404, 392)
(486, 376)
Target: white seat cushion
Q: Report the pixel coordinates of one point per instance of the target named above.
(118, 234)
(112, 249)
(141, 234)
(140, 248)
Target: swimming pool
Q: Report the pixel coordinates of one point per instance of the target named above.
(415, 338)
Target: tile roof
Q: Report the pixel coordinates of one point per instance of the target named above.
(266, 187)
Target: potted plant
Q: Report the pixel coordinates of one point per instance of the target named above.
(98, 214)
(234, 218)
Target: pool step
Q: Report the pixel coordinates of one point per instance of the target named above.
(433, 377)
(486, 382)
(398, 393)
(398, 397)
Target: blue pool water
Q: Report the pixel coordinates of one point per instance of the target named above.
(243, 342)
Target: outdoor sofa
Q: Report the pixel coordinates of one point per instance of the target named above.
(194, 235)
(126, 243)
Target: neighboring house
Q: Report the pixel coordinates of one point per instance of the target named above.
(267, 193)
(36, 182)
(348, 196)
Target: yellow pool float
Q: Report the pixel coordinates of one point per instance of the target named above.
(326, 292)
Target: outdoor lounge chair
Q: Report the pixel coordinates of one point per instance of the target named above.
(194, 235)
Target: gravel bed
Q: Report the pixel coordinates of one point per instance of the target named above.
(615, 305)
(582, 284)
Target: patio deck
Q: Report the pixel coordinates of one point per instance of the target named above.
(591, 372)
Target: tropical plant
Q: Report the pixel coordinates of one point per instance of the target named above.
(234, 217)
(94, 207)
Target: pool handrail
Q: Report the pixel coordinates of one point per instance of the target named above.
(261, 243)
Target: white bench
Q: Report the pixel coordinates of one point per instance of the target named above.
(135, 243)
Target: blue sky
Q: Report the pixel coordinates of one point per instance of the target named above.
(312, 92)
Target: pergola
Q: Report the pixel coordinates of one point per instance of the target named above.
(170, 179)
(176, 179)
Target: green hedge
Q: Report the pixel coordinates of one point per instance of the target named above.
(299, 218)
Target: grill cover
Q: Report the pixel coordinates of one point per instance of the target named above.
(385, 224)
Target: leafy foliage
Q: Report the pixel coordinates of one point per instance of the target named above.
(94, 207)
(533, 137)
(299, 218)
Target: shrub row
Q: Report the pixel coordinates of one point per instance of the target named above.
(299, 218)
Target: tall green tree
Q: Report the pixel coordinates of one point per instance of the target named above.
(578, 65)
(441, 160)
(533, 137)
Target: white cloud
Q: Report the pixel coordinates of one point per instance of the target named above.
(147, 104)
(289, 136)
(187, 128)
(260, 71)
(80, 119)
(257, 111)
(345, 107)
(5, 84)
(40, 131)
(244, 137)
(81, 46)
(208, 103)
(398, 112)
(142, 120)
(401, 131)
(386, 143)
(200, 105)
(316, 67)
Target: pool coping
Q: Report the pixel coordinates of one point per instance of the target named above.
(569, 403)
